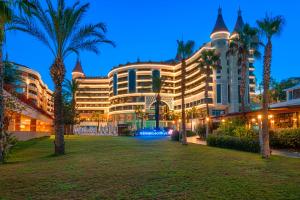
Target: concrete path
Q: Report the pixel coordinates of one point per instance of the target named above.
(281, 152)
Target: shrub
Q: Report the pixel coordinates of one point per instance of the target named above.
(8, 142)
(127, 132)
(175, 135)
(228, 127)
(285, 138)
(231, 142)
(200, 130)
(190, 133)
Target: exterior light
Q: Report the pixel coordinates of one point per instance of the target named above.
(207, 119)
(270, 116)
(259, 116)
(253, 119)
(272, 121)
(294, 119)
(223, 120)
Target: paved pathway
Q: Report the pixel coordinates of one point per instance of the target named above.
(281, 152)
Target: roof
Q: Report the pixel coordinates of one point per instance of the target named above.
(294, 87)
(220, 24)
(78, 67)
(239, 23)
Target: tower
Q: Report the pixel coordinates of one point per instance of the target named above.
(219, 40)
(77, 72)
(220, 30)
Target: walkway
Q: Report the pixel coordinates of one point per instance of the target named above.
(281, 152)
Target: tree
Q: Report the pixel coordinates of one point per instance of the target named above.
(184, 51)
(70, 114)
(140, 114)
(209, 60)
(244, 46)
(8, 11)
(60, 29)
(158, 83)
(192, 114)
(269, 27)
(97, 116)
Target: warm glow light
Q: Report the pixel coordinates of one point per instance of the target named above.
(270, 116)
(253, 120)
(207, 119)
(272, 121)
(294, 119)
(259, 116)
(223, 120)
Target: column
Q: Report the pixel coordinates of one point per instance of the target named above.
(33, 125)
(18, 122)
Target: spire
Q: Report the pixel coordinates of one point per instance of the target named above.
(239, 22)
(78, 67)
(220, 24)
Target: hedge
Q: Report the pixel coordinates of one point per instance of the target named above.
(285, 138)
(231, 142)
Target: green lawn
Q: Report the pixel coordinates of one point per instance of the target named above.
(132, 168)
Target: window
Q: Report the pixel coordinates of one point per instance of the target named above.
(290, 95)
(155, 75)
(115, 82)
(132, 81)
(219, 93)
(239, 94)
(228, 93)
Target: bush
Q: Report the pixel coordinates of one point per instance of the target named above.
(190, 133)
(127, 132)
(231, 142)
(175, 136)
(200, 130)
(285, 138)
(8, 142)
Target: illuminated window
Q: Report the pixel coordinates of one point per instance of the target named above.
(219, 93)
(155, 75)
(115, 84)
(132, 81)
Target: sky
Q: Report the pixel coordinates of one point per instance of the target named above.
(148, 30)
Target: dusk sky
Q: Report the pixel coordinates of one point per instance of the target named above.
(148, 29)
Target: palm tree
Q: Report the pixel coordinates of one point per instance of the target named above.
(61, 31)
(97, 116)
(209, 60)
(184, 51)
(269, 27)
(7, 13)
(139, 112)
(244, 46)
(158, 83)
(70, 90)
(193, 112)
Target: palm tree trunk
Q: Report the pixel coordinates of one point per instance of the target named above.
(142, 122)
(57, 71)
(157, 112)
(206, 101)
(243, 85)
(183, 120)
(1, 106)
(265, 146)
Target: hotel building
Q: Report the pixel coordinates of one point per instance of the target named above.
(35, 119)
(127, 87)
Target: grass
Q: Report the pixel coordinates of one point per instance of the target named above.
(136, 168)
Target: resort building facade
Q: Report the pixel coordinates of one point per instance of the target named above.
(33, 115)
(129, 87)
